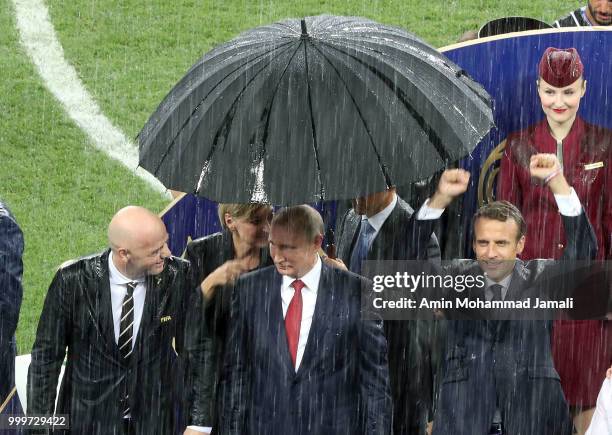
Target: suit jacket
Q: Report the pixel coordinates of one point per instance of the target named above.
(341, 386)
(396, 239)
(411, 343)
(205, 255)
(507, 364)
(77, 322)
(11, 293)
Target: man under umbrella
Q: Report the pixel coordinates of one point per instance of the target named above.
(377, 228)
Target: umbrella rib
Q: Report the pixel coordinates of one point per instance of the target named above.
(380, 164)
(163, 158)
(475, 94)
(230, 113)
(313, 126)
(434, 139)
(272, 98)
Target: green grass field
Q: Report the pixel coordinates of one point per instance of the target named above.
(129, 54)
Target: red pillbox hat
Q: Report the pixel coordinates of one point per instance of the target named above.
(560, 67)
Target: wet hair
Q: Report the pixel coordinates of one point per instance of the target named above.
(300, 219)
(501, 211)
(239, 211)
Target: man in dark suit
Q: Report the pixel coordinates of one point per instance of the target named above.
(380, 227)
(299, 358)
(119, 317)
(11, 293)
(499, 372)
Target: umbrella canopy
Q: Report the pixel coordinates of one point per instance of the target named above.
(499, 26)
(323, 108)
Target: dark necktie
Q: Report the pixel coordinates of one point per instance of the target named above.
(126, 332)
(496, 291)
(293, 319)
(126, 325)
(360, 252)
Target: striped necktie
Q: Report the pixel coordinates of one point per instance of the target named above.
(126, 332)
(126, 326)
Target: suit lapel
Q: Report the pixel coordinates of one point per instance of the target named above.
(156, 301)
(385, 240)
(349, 236)
(518, 282)
(320, 320)
(98, 297)
(278, 334)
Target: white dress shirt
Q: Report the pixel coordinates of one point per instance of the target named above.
(309, 300)
(377, 220)
(118, 290)
(601, 423)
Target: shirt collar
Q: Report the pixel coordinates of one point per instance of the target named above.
(505, 283)
(116, 277)
(379, 218)
(585, 16)
(311, 279)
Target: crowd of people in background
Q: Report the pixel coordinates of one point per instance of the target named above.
(258, 331)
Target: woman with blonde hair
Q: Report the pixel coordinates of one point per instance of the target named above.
(217, 261)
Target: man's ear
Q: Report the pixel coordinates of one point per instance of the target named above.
(520, 245)
(122, 254)
(318, 241)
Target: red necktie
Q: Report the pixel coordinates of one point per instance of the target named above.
(293, 319)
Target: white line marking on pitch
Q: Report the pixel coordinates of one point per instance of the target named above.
(40, 42)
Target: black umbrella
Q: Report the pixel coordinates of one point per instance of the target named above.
(499, 26)
(323, 108)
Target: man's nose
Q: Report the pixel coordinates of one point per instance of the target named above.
(491, 251)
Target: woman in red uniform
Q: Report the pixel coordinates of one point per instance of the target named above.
(582, 349)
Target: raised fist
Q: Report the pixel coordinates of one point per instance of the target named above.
(543, 165)
(453, 183)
